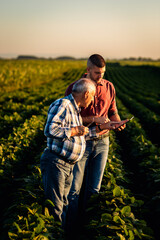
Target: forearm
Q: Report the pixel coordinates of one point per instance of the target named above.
(115, 117)
(89, 119)
(110, 125)
(95, 119)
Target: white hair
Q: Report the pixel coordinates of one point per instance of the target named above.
(83, 85)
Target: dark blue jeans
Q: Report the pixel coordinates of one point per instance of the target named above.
(57, 179)
(92, 164)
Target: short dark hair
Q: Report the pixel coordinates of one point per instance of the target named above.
(96, 60)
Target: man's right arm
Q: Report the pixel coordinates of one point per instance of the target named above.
(58, 125)
(94, 119)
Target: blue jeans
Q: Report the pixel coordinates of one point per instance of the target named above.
(92, 164)
(57, 179)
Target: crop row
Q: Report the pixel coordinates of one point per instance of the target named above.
(143, 159)
(19, 74)
(20, 105)
(141, 80)
(144, 94)
(149, 120)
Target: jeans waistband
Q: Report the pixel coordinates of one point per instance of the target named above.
(99, 137)
(61, 157)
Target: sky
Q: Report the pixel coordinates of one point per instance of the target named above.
(53, 28)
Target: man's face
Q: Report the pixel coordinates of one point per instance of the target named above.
(88, 98)
(95, 73)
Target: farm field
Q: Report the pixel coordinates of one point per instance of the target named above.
(128, 205)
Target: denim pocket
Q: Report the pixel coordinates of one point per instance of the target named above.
(105, 140)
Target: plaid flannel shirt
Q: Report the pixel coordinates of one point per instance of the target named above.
(63, 114)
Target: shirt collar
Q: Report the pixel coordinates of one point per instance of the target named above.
(101, 83)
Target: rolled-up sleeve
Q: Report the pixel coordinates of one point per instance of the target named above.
(113, 107)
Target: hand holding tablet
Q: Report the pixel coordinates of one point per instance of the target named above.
(121, 123)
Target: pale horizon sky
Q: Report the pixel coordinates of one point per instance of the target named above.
(53, 28)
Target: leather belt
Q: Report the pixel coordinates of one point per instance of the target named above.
(98, 138)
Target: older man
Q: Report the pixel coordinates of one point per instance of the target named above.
(65, 144)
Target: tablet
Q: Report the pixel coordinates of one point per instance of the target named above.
(121, 123)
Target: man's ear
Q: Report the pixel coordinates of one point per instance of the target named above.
(88, 69)
(86, 94)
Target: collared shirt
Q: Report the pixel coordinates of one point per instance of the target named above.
(104, 103)
(63, 114)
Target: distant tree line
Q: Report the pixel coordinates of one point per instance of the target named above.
(34, 57)
(72, 58)
(140, 59)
